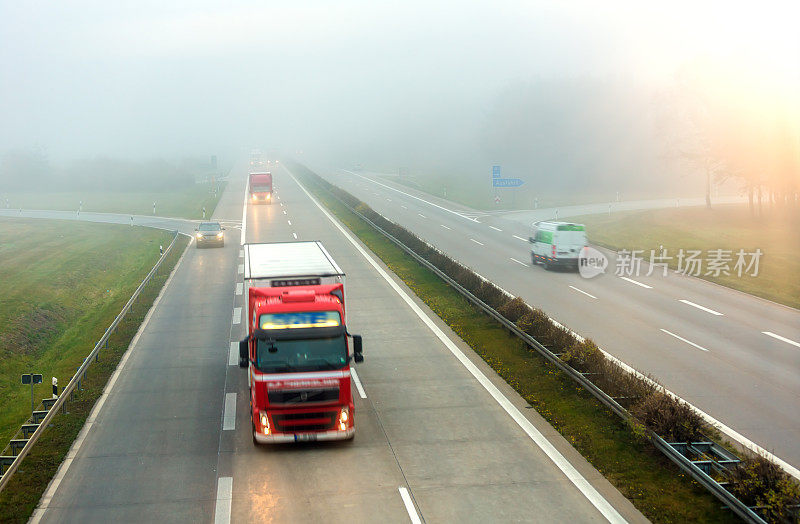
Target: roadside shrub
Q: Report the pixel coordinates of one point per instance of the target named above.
(491, 294)
(585, 357)
(468, 279)
(670, 418)
(757, 481)
(535, 323)
(514, 309)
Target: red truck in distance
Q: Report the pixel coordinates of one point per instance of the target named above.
(296, 351)
(260, 185)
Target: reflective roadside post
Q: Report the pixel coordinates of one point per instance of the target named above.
(55, 387)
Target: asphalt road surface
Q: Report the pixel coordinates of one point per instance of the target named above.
(733, 355)
(439, 437)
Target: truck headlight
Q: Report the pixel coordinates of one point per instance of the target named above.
(344, 418)
(219, 235)
(264, 422)
(199, 236)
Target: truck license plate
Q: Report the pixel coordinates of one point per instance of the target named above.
(305, 437)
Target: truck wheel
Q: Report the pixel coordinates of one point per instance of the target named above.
(533, 259)
(546, 266)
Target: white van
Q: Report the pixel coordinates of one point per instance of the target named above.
(557, 244)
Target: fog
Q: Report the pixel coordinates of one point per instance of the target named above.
(562, 93)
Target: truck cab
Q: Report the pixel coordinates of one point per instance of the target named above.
(297, 350)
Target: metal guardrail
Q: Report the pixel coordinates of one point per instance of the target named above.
(44, 418)
(670, 450)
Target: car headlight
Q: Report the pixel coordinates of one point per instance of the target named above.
(344, 418)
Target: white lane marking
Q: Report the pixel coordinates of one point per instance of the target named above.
(684, 340)
(404, 207)
(239, 288)
(241, 253)
(783, 339)
(520, 238)
(518, 262)
(229, 413)
(479, 243)
(583, 485)
(444, 226)
(237, 315)
(359, 387)
(244, 213)
(290, 222)
(233, 356)
(388, 199)
(584, 292)
(698, 306)
(222, 512)
(63, 469)
(294, 235)
(281, 204)
(412, 511)
(277, 197)
(423, 216)
(496, 228)
(412, 196)
(632, 281)
(284, 211)
(240, 269)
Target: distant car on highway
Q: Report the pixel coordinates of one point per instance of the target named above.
(557, 244)
(210, 234)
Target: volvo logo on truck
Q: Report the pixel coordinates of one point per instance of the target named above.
(297, 350)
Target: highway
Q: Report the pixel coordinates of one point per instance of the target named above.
(734, 356)
(440, 437)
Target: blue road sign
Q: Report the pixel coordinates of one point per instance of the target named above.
(507, 182)
(495, 171)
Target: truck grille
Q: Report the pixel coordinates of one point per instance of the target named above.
(303, 396)
(302, 422)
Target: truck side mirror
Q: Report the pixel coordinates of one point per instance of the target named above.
(530, 239)
(358, 349)
(244, 352)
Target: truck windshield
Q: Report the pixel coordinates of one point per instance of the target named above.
(308, 354)
(261, 189)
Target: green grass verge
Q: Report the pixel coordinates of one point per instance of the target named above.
(728, 227)
(22, 494)
(61, 285)
(641, 473)
(186, 203)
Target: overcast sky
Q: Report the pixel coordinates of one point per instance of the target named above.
(193, 77)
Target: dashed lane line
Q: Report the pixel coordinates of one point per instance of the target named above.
(584, 292)
(670, 333)
(632, 281)
(702, 308)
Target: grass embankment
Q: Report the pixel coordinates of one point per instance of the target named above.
(57, 309)
(728, 227)
(655, 486)
(60, 287)
(186, 203)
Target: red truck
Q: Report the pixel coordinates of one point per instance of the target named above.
(296, 350)
(261, 187)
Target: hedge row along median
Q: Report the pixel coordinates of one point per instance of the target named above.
(774, 494)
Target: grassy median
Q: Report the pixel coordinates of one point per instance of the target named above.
(62, 285)
(729, 227)
(187, 202)
(641, 473)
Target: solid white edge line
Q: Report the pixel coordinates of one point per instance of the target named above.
(496, 228)
(632, 281)
(239, 288)
(409, 504)
(520, 238)
(233, 356)
(698, 306)
(244, 214)
(518, 262)
(479, 243)
(783, 339)
(222, 510)
(592, 495)
(411, 196)
(359, 387)
(684, 340)
(584, 292)
(236, 318)
(50, 492)
(229, 412)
